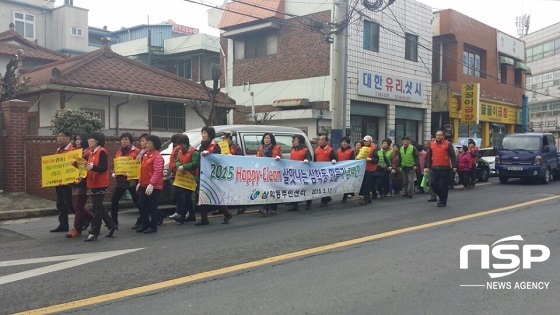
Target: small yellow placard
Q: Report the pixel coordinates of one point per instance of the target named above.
(127, 166)
(224, 146)
(364, 153)
(59, 169)
(185, 180)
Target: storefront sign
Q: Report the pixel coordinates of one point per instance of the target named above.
(244, 180)
(381, 85)
(498, 113)
(470, 103)
(545, 124)
(510, 46)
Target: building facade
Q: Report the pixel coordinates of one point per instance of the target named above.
(543, 85)
(281, 61)
(477, 56)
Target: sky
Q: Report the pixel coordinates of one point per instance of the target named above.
(500, 14)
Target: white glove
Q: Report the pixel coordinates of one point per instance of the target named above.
(180, 169)
(389, 168)
(277, 158)
(305, 161)
(333, 161)
(113, 175)
(149, 189)
(89, 166)
(368, 159)
(137, 187)
(393, 171)
(204, 153)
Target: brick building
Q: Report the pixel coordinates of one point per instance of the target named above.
(476, 54)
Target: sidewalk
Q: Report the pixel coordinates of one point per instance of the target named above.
(22, 205)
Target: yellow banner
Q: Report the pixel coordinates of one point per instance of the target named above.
(498, 113)
(470, 103)
(224, 146)
(364, 153)
(59, 169)
(185, 180)
(128, 166)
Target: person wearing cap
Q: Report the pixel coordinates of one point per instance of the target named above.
(299, 152)
(345, 153)
(325, 153)
(473, 152)
(440, 161)
(408, 156)
(63, 192)
(371, 177)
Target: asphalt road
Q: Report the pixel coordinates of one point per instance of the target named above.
(407, 271)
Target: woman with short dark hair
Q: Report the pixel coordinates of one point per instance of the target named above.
(150, 185)
(270, 149)
(127, 149)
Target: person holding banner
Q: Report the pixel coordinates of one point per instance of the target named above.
(209, 146)
(187, 160)
(150, 185)
(234, 149)
(172, 169)
(325, 153)
(63, 192)
(127, 150)
(345, 153)
(300, 152)
(371, 176)
(270, 149)
(98, 185)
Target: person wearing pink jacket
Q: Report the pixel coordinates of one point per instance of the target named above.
(150, 185)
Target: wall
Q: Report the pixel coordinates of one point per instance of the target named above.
(63, 19)
(7, 9)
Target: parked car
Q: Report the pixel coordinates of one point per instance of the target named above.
(248, 137)
(482, 168)
(489, 155)
(528, 155)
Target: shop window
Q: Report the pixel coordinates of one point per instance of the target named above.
(405, 127)
(518, 77)
(503, 73)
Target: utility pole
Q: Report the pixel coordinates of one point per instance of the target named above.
(338, 72)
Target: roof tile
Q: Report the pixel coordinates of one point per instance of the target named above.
(251, 8)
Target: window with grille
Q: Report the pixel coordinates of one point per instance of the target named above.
(167, 116)
(25, 24)
(97, 113)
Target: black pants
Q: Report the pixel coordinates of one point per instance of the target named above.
(369, 185)
(183, 198)
(117, 195)
(64, 204)
(465, 178)
(439, 183)
(473, 174)
(384, 184)
(99, 214)
(149, 213)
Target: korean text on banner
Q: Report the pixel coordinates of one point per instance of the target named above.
(185, 180)
(128, 166)
(244, 180)
(470, 103)
(59, 169)
(224, 146)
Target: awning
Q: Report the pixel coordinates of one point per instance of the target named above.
(292, 102)
(522, 66)
(506, 60)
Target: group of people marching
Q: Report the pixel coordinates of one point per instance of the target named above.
(389, 169)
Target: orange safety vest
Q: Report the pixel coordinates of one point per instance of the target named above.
(344, 155)
(133, 152)
(69, 147)
(323, 154)
(370, 167)
(185, 158)
(298, 154)
(275, 151)
(172, 158)
(440, 153)
(97, 179)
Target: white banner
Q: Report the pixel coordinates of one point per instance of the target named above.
(244, 180)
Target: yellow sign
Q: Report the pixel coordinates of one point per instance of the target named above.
(364, 153)
(185, 180)
(470, 103)
(59, 169)
(224, 146)
(128, 166)
(498, 113)
(81, 162)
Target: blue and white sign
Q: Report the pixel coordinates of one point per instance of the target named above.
(244, 180)
(376, 84)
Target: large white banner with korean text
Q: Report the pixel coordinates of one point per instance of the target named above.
(243, 180)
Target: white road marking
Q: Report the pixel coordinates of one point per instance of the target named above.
(69, 262)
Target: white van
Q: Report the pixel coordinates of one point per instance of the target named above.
(248, 137)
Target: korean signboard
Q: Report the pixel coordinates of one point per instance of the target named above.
(470, 103)
(184, 29)
(381, 85)
(499, 113)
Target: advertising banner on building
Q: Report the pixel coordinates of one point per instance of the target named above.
(498, 113)
(376, 84)
(470, 103)
(243, 180)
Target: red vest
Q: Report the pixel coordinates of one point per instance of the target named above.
(370, 167)
(344, 155)
(233, 149)
(440, 153)
(173, 157)
(275, 151)
(97, 179)
(211, 146)
(133, 152)
(298, 155)
(148, 170)
(67, 148)
(323, 154)
(185, 158)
